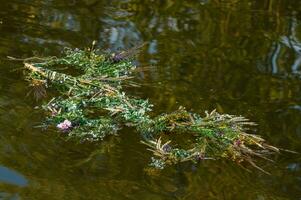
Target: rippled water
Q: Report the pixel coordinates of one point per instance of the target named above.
(241, 57)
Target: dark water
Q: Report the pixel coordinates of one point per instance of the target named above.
(239, 56)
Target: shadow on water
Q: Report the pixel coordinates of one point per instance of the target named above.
(241, 57)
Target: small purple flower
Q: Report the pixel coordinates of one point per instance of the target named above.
(237, 142)
(54, 113)
(167, 148)
(199, 157)
(65, 125)
(117, 57)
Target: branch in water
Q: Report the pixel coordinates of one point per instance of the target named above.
(94, 105)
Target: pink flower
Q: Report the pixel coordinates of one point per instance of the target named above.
(53, 113)
(65, 125)
(237, 142)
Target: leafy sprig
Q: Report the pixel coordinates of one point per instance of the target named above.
(93, 105)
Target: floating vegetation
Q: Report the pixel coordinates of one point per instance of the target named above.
(93, 105)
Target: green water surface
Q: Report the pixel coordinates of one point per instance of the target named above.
(240, 56)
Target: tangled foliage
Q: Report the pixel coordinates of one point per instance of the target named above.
(92, 105)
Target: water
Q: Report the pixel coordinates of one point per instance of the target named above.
(241, 57)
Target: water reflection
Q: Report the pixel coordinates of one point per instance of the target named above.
(241, 57)
(11, 177)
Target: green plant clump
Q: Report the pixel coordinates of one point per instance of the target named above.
(93, 105)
